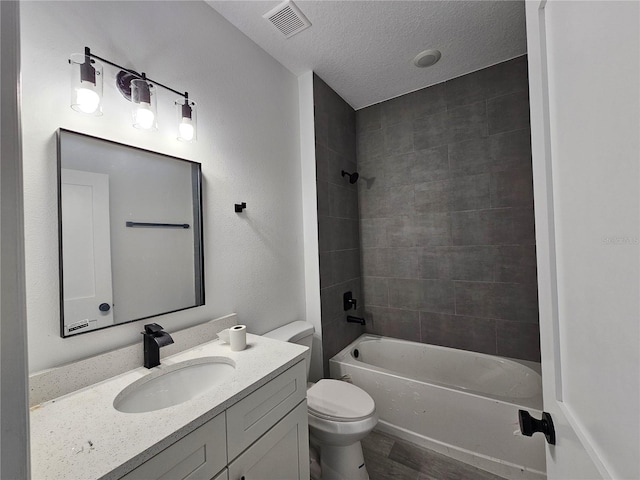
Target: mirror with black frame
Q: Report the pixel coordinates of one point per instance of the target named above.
(130, 233)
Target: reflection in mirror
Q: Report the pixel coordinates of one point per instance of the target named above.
(130, 233)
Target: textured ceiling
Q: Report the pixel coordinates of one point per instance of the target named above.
(364, 49)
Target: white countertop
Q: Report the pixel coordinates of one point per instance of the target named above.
(62, 429)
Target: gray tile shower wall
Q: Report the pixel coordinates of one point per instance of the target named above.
(338, 223)
(446, 214)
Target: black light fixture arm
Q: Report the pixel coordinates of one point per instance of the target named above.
(87, 53)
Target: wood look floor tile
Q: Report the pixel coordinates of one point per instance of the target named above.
(383, 468)
(435, 466)
(379, 443)
(388, 457)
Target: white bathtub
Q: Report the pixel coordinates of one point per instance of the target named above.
(461, 404)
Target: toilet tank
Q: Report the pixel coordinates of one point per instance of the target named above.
(295, 332)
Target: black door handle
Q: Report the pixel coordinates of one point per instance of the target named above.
(104, 307)
(529, 425)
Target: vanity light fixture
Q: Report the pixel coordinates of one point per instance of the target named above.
(86, 94)
(186, 119)
(143, 101)
(86, 84)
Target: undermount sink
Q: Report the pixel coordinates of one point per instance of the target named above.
(174, 384)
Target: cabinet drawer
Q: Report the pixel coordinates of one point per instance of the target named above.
(198, 456)
(252, 416)
(281, 454)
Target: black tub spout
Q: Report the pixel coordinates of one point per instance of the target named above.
(352, 319)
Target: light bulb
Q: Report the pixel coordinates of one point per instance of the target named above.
(87, 101)
(186, 119)
(86, 84)
(186, 130)
(144, 116)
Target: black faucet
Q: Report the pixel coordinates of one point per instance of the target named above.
(154, 338)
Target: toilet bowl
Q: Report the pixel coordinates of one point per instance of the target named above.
(340, 414)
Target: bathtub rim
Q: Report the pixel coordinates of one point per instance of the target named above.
(534, 402)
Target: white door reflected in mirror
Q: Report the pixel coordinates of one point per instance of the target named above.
(86, 249)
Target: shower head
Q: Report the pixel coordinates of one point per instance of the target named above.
(353, 177)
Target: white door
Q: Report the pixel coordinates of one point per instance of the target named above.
(584, 81)
(86, 251)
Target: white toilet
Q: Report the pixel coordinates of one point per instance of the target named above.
(340, 414)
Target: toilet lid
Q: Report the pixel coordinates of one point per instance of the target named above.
(339, 400)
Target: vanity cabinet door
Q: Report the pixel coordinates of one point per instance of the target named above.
(198, 456)
(280, 454)
(252, 416)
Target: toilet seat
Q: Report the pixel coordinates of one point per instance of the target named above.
(339, 432)
(339, 401)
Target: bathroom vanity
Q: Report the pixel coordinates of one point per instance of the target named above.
(250, 424)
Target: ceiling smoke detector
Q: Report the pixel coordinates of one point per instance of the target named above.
(287, 19)
(427, 58)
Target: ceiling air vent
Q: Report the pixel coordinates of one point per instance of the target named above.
(288, 19)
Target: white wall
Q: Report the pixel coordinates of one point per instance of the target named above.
(248, 144)
(310, 222)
